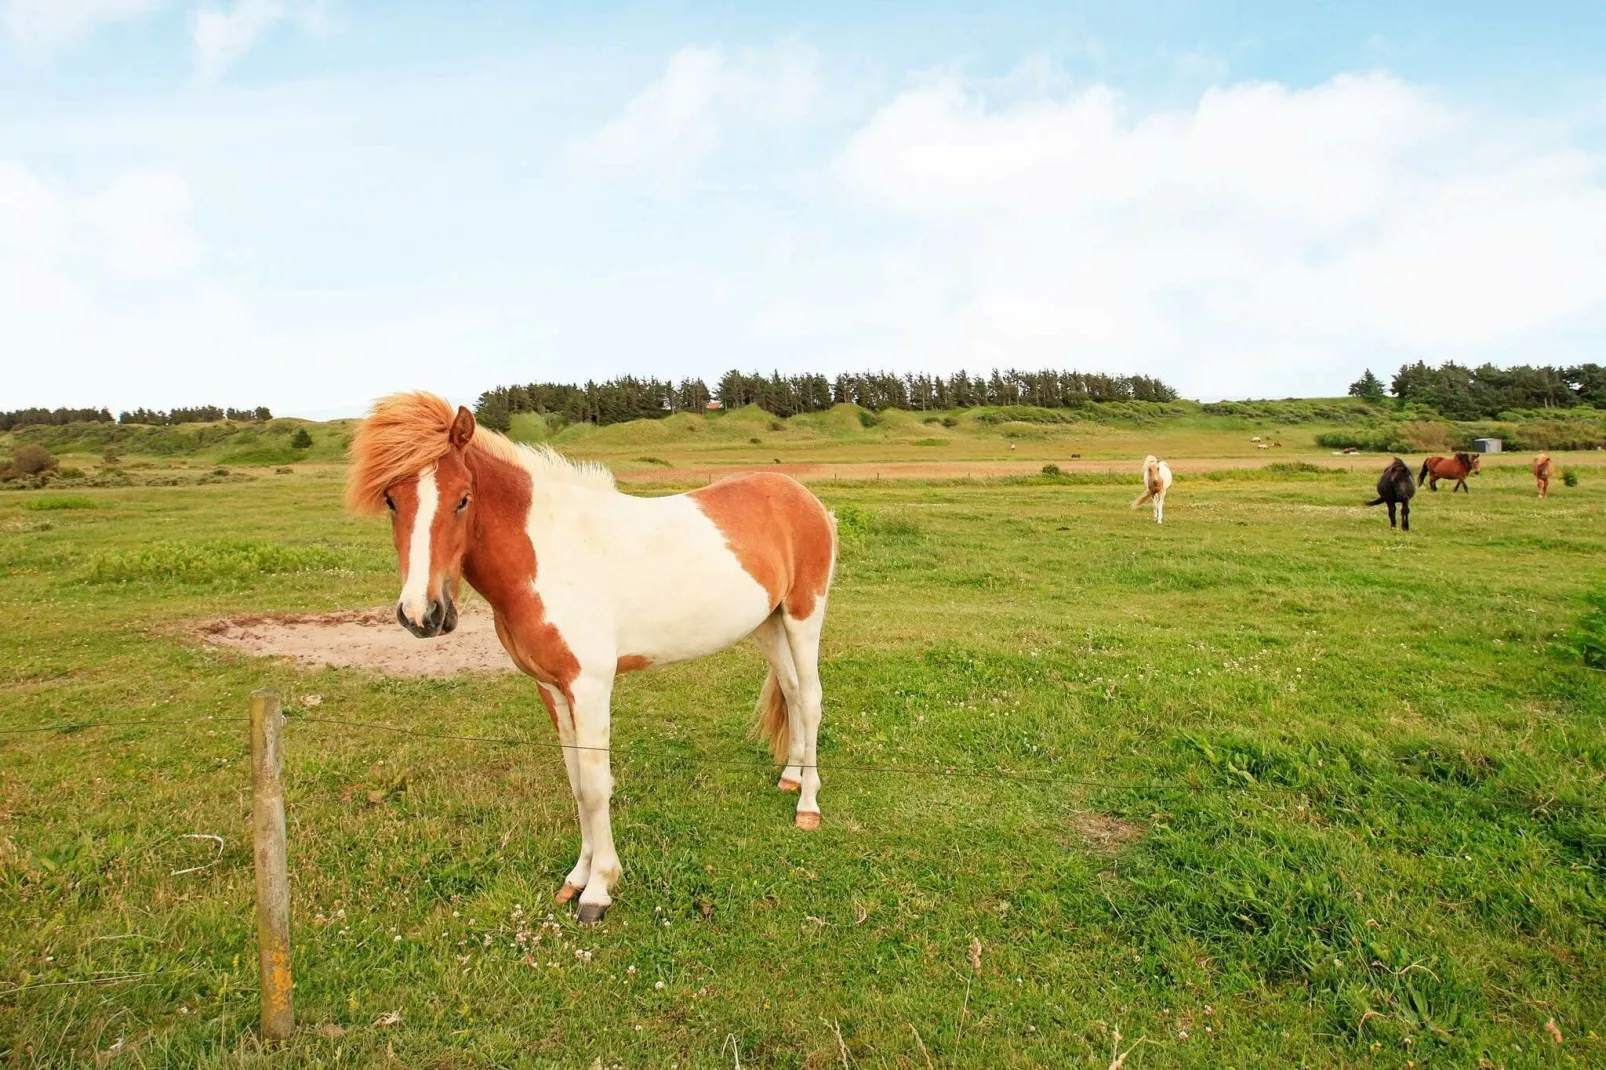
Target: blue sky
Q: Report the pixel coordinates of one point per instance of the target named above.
(309, 203)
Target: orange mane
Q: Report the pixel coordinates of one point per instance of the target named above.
(401, 435)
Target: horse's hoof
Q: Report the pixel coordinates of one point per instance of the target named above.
(786, 783)
(566, 893)
(808, 820)
(591, 913)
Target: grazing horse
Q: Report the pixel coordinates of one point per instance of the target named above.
(587, 582)
(1457, 468)
(1156, 481)
(1542, 473)
(1394, 487)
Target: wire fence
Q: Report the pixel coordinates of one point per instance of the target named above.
(640, 753)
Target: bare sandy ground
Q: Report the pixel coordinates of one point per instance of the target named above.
(367, 639)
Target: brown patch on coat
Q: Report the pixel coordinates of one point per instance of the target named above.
(633, 663)
(500, 564)
(779, 531)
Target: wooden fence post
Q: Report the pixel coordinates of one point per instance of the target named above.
(272, 870)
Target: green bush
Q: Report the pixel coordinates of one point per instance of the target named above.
(1569, 477)
(59, 501)
(659, 461)
(301, 440)
(212, 561)
(31, 459)
(1052, 469)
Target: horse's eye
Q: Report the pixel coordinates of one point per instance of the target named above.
(462, 504)
(389, 503)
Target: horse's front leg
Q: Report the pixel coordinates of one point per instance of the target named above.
(563, 720)
(591, 696)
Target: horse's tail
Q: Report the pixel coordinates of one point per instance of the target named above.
(1141, 498)
(1376, 501)
(1423, 477)
(770, 718)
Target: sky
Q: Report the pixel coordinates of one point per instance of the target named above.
(308, 204)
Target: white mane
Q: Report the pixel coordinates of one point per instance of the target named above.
(547, 465)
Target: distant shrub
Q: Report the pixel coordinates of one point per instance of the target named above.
(283, 471)
(213, 561)
(301, 440)
(868, 419)
(110, 455)
(855, 524)
(29, 460)
(1296, 468)
(931, 442)
(659, 461)
(756, 441)
(950, 421)
(1052, 469)
(776, 425)
(1569, 477)
(933, 420)
(59, 501)
(70, 472)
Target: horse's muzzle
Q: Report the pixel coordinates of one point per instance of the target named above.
(440, 618)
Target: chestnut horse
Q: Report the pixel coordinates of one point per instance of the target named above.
(587, 582)
(1457, 468)
(1542, 473)
(1156, 481)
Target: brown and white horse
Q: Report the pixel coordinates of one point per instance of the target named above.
(587, 582)
(1542, 473)
(1156, 481)
(1457, 468)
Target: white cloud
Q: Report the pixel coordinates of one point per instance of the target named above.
(1264, 240)
(143, 222)
(40, 27)
(671, 125)
(222, 37)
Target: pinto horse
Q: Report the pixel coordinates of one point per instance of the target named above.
(1457, 468)
(1156, 481)
(587, 582)
(1542, 472)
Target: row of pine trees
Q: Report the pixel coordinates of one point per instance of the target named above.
(630, 398)
(157, 417)
(1483, 393)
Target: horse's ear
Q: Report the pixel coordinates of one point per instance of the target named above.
(462, 428)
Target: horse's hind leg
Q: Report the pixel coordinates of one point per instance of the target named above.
(563, 721)
(803, 636)
(772, 640)
(1391, 514)
(1405, 516)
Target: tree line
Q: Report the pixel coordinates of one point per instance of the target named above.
(199, 414)
(629, 398)
(1483, 393)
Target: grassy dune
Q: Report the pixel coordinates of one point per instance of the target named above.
(1303, 792)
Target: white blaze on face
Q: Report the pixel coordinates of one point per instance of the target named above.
(415, 590)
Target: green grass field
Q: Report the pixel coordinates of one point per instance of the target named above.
(1292, 790)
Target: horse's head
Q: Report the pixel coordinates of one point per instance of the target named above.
(408, 457)
(429, 520)
(1471, 461)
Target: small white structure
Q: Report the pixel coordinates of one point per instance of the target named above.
(1488, 445)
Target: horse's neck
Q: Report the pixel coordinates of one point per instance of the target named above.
(500, 560)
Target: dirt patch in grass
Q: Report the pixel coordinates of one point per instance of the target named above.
(368, 638)
(1102, 833)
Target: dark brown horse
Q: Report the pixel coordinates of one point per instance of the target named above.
(1457, 468)
(1394, 487)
